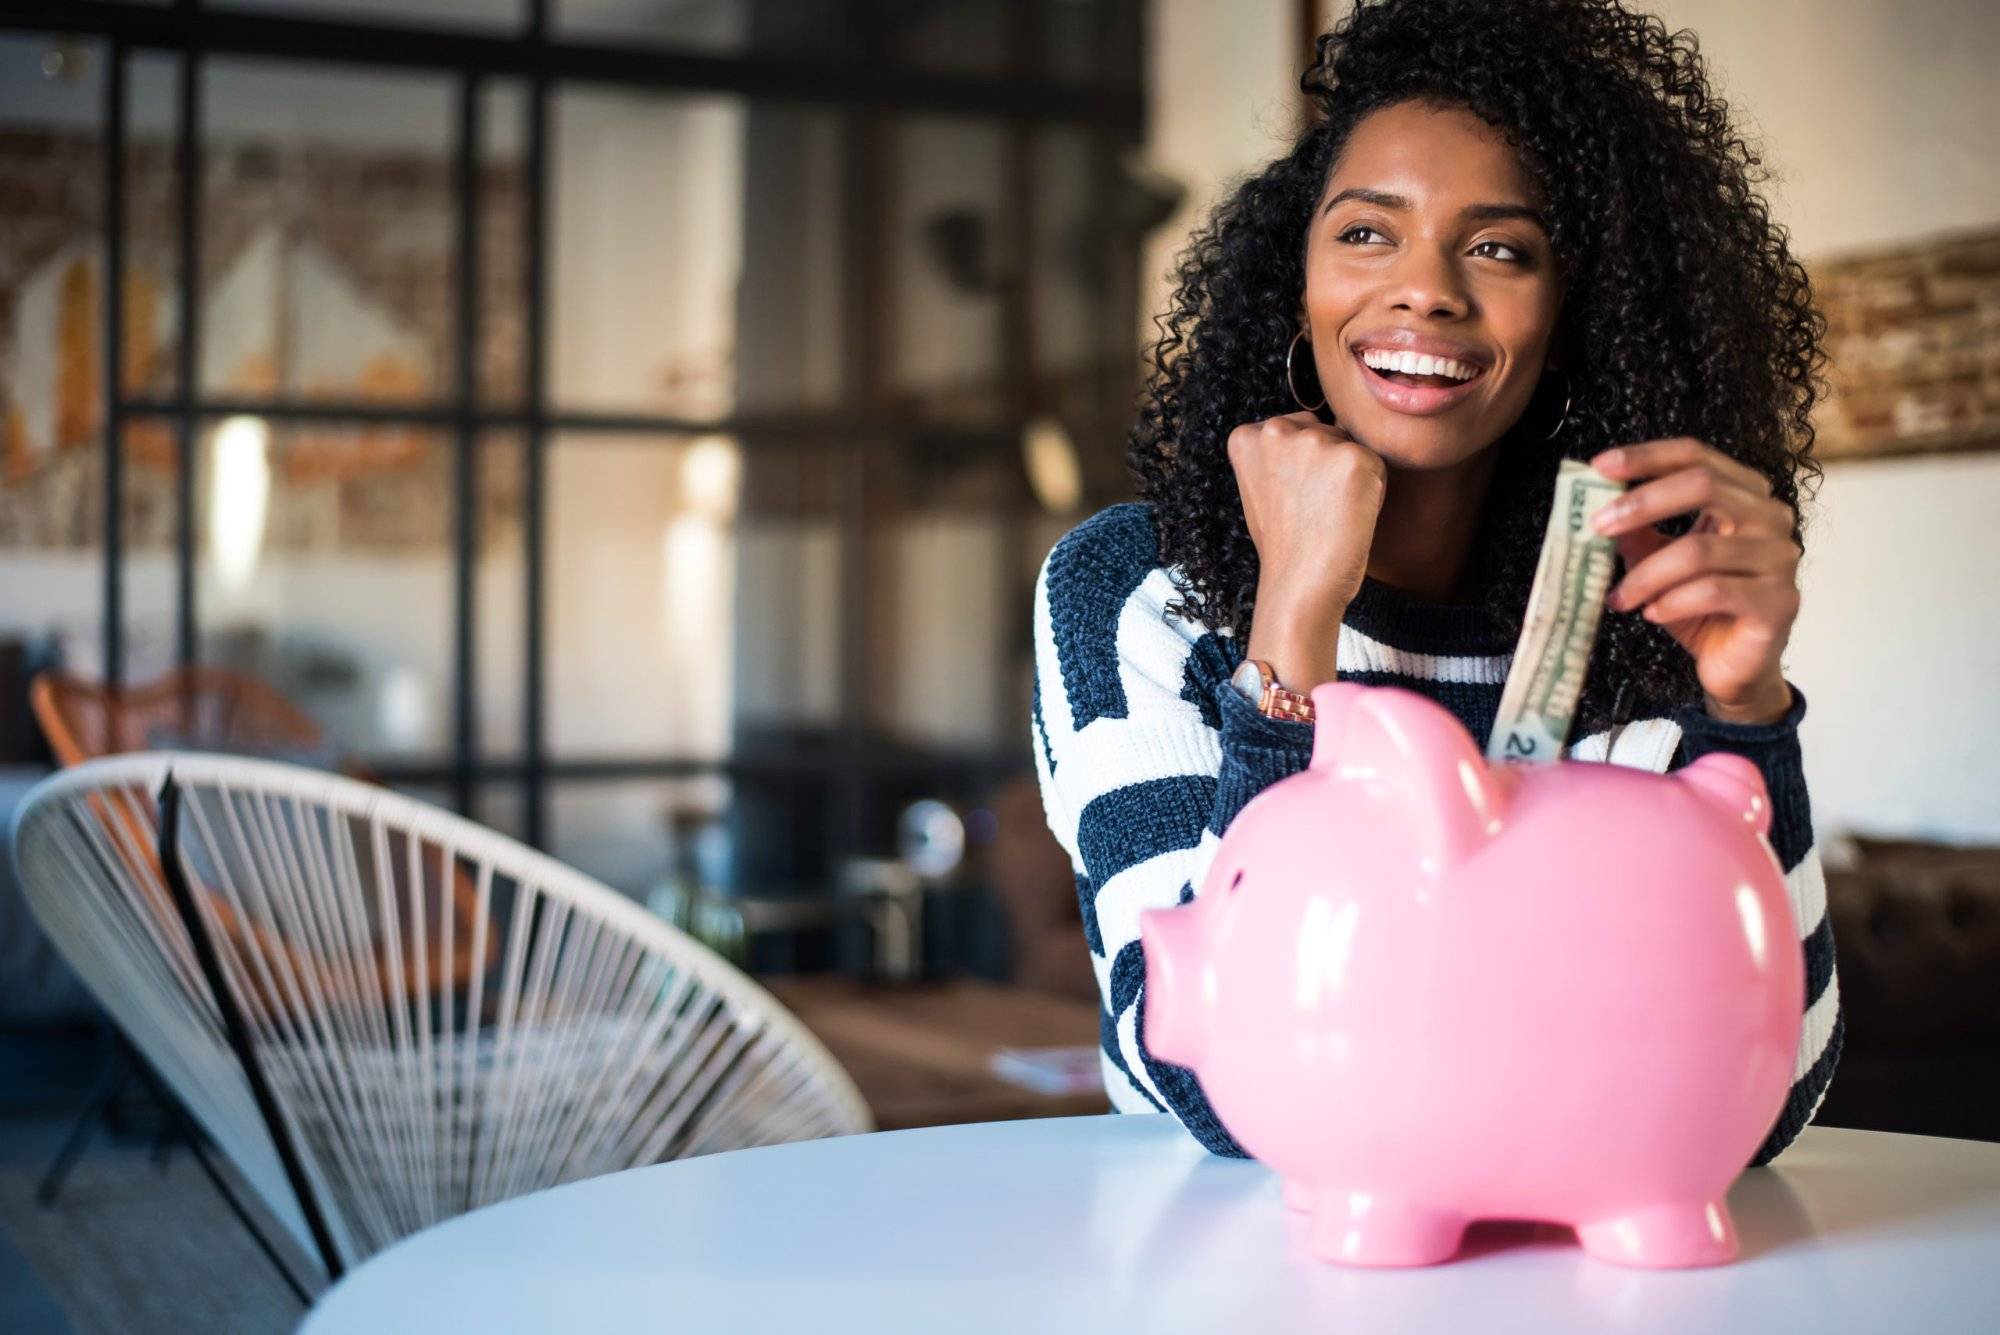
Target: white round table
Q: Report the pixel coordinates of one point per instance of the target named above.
(1122, 1223)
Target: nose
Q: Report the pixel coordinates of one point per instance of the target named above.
(1428, 281)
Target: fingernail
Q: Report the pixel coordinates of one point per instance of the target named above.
(1616, 598)
(1611, 458)
(1603, 520)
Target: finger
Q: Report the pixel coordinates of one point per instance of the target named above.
(1651, 458)
(1639, 544)
(1765, 598)
(1695, 554)
(1692, 488)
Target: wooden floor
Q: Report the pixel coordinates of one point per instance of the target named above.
(921, 1053)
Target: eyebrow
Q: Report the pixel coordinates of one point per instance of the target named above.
(1480, 212)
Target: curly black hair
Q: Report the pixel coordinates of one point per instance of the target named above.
(1684, 311)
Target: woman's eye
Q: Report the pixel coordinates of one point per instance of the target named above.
(1512, 253)
(1354, 231)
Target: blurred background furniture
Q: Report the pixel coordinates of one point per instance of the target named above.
(1916, 929)
(922, 1053)
(1031, 877)
(197, 708)
(601, 1039)
(216, 710)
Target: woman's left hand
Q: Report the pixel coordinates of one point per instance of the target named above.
(1727, 590)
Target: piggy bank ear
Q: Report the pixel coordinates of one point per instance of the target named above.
(1413, 754)
(1732, 785)
(1331, 703)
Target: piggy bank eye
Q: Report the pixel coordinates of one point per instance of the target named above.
(1235, 881)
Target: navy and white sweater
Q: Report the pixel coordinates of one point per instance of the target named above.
(1145, 754)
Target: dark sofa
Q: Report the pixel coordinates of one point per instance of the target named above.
(1916, 930)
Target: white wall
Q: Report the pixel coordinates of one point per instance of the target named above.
(1877, 118)
(1222, 93)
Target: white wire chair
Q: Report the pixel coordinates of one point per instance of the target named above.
(600, 1037)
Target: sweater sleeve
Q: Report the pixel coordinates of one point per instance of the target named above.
(1145, 753)
(1774, 748)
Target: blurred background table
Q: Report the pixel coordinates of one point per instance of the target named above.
(921, 1052)
(1123, 1223)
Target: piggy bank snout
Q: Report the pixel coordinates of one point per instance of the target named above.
(1179, 984)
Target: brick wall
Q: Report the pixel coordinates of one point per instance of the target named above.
(385, 219)
(1913, 337)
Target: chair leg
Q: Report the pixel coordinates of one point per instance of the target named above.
(180, 1120)
(163, 1145)
(238, 1029)
(236, 1208)
(110, 1081)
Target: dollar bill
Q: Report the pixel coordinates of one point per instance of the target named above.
(1546, 677)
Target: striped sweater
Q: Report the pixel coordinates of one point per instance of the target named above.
(1145, 754)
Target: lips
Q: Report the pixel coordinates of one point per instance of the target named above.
(1417, 400)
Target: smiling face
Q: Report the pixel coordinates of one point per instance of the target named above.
(1426, 243)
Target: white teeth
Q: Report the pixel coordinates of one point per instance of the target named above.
(1412, 363)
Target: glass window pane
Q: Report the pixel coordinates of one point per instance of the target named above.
(502, 804)
(647, 249)
(1090, 41)
(693, 597)
(640, 560)
(788, 609)
(949, 263)
(500, 600)
(325, 569)
(151, 538)
(939, 646)
(503, 126)
(642, 836)
(152, 226)
(327, 233)
(793, 293)
(1069, 36)
(497, 15)
(1068, 310)
(741, 864)
(718, 27)
(976, 36)
(696, 255)
(51, 344)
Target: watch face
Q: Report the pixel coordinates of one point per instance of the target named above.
(1249, 683)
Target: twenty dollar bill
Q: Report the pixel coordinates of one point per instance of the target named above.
(1567, 601)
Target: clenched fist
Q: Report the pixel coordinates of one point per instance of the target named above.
(1311, 495)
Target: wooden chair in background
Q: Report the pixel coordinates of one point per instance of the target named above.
(215, 709)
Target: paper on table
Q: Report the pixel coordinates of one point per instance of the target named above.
(1050, 1070)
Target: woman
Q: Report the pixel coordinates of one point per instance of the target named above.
(1544, 202)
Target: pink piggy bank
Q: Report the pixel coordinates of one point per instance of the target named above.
(1428, 989)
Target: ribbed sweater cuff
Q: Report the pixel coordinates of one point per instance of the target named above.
(1257, 751)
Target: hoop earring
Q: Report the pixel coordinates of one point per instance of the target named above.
(1293, 385)
(1555, 430)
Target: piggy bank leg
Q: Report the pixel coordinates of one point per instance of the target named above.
(1663, 1236)
(1298, 1197)
(1368, 1228)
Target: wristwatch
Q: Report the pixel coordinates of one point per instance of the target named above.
(1255, 682)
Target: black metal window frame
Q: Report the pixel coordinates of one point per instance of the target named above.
(194, 31)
